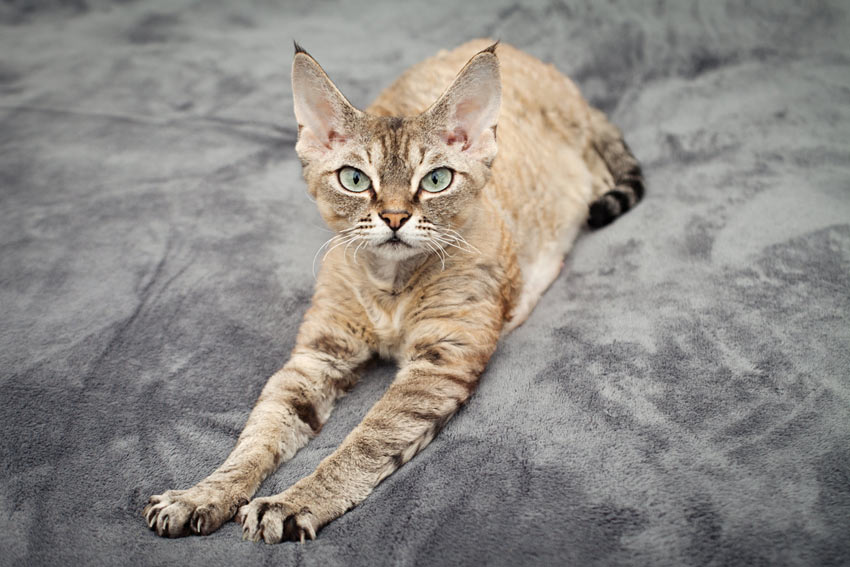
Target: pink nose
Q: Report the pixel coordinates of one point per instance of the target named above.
(395, 219)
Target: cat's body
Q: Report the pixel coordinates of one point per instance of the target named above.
(441, 249)
(547, 172)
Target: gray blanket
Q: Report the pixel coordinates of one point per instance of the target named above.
(680, 396)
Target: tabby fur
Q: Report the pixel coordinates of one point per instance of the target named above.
(430, 280)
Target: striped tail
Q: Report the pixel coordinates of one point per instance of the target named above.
(625, 169)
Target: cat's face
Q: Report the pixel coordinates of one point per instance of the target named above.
(398, 186)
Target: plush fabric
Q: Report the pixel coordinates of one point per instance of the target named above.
(680, 396)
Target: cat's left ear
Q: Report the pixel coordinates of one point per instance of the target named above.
(324, 115)
(467, 113)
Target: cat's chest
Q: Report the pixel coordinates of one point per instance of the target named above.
(385, 292)
(387, 315)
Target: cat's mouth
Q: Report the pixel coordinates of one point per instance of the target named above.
(395, 242)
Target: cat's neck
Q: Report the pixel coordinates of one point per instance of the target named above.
(393, 276)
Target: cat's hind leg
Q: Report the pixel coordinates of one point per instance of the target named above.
(536, 279)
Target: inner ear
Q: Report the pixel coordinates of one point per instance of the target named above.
(467, 113)
(324, 115)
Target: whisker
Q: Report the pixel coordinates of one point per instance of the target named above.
(434, 250)
(443, 251)
(445, 240)
(440, 248)
(322, 247)
(345, 240)
(350, 241)
(456, 237)
(451, 241)
(446, 231)
(358, 248)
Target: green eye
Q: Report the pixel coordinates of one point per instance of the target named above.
(354, 180)
(436, 180)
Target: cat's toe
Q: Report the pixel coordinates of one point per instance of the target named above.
(151, 512)
(179, 513)
(205, 519)
(173, 520)
(300, 527)
(273, 520)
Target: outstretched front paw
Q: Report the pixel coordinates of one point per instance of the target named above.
(277, 518)
(199, 510)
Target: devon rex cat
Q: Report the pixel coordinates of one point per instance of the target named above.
(441, 248)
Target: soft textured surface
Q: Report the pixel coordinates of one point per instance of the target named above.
(681, 395)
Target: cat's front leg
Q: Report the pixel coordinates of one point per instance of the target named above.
(292, 407)
(440, 372)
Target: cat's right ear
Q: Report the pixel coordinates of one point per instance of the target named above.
(324, 115)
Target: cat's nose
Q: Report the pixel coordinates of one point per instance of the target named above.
(395, 219)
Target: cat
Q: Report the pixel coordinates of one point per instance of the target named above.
(440, 249)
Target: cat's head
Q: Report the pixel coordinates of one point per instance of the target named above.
(399, 186)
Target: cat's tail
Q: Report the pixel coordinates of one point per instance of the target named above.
(624, 167)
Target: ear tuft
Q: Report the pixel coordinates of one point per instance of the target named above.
(298, 48)
(491, 49)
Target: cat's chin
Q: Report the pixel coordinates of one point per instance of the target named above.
(396, 250)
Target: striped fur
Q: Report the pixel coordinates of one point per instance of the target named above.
(434, 293)
(625, 170)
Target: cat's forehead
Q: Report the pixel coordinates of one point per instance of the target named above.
(395, 147)
(394, 138)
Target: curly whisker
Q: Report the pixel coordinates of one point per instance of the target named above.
(350, 242)
(430, 244)
(343, 240)
(435, 246)
(458, 242)
(322, 247)
(358, 248)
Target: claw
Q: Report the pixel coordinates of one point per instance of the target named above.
(151, 512)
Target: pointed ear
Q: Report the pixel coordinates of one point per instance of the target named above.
(467, 113)
(324, 115)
